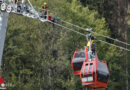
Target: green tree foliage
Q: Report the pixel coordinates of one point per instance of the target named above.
(37, 56)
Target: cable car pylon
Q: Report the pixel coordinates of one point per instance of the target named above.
(7, 7)
(3, 28)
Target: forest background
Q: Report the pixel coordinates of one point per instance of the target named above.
(37, 56)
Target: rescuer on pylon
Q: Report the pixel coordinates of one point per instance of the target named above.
(44, 6)
(44, 9)
(50, 16)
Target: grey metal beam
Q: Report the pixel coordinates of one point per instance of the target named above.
(3, 28)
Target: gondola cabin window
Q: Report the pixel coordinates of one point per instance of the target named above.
(102, 72)
(80, 55)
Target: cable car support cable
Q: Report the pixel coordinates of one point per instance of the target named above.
(85, 36)
(96, 33)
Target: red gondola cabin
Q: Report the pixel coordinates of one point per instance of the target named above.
(78, 59)
(94, 74)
